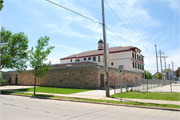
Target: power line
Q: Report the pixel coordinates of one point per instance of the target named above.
(140, 23)
(90, 7)
(74, 12)
(123, 39)
(127, 27)
(91, 20)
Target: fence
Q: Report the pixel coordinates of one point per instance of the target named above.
(138, 85)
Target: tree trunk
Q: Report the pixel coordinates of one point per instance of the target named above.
(35, 81)
(35, 86)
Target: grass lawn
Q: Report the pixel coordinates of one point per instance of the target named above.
(150, 95)
(96, 100)
(3, 80)
(55, 90)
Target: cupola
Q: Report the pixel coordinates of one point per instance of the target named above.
(100, 45)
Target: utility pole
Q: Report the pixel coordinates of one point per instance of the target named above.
(160, 60)
(105, 53)
(173, 69)
(157, 63)
(165, 64)
(161, 64)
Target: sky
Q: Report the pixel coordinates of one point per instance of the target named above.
(139, 23)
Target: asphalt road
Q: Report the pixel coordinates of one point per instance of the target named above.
(26, 108)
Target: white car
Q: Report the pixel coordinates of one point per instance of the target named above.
(178, 81)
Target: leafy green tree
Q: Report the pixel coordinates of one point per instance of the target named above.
(148, 75)
(14, 50)
(160, 75)
(1, 5)
(38, 57)
(177, 72)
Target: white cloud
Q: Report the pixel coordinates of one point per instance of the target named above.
(174, 4)
(72, 50)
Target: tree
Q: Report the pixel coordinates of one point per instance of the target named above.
(14, 50)
(177, 72)
(148, 75)
(38, 56)
(160, 75)
(1, 5)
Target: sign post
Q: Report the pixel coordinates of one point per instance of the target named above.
(170, 73)
(121, 70)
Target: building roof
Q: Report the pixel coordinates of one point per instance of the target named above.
(100, 41)
(158, 72)
(100, 52)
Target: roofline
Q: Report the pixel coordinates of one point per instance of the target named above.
(96, 54)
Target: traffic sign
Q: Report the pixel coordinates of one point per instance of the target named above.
(120, 68)
(105, 69)
(170, 73)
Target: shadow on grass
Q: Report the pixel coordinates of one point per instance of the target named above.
(24, 89)
(6, 92)
(40, 96)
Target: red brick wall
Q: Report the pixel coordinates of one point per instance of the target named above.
(84, 76)
(114, 77)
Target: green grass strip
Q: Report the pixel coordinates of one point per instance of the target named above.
(3, 80)
(150, 95)
(55, 90)
(96, 100)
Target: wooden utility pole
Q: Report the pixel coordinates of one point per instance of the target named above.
(105, 53)
(160, 60)
(157, 64)
(173, 69)
(165, 65)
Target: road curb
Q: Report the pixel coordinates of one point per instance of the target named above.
(147, 107)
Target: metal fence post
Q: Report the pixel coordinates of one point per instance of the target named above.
(136, 82)
(114, 86)
(170, 85)
(147, 85)
(131, 85)
(143, 84)
(127, 84)
(151, 83)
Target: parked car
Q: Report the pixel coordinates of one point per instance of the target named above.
(178, 81)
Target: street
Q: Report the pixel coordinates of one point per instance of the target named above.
(26, 108)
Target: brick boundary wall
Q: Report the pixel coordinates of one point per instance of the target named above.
(84, 76)
(80, 76)
(115, 76)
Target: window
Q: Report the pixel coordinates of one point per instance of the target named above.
(77, 60)
(84, 59)
(98, 58)
(112, 63)
(138, 65)
(89, 58)
(142, 59)
(132, 55)
(71, 60)
(94, 59)
(139, 58)
(135, 56)
(133, 64)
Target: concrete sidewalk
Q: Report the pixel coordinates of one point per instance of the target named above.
(100, 94)
(109, 98)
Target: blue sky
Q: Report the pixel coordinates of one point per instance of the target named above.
(140, 23)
